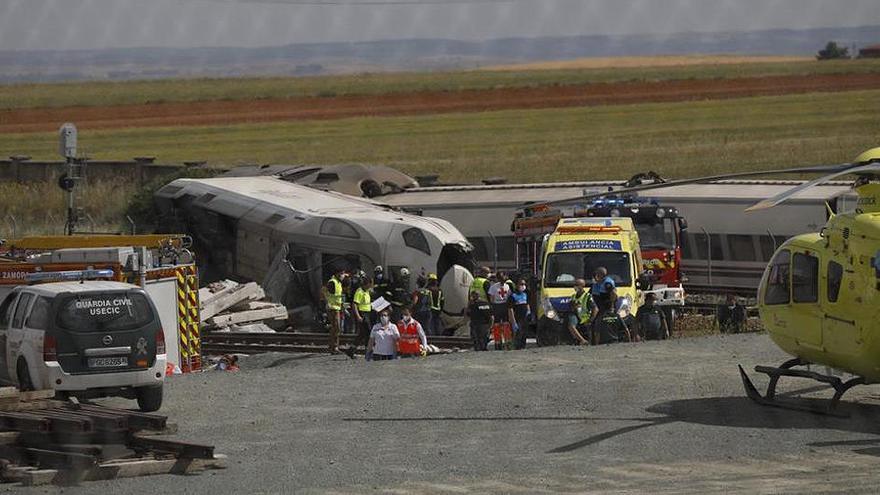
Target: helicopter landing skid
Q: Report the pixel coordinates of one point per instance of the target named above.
(786, 369)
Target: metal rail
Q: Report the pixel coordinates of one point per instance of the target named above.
(246, 342)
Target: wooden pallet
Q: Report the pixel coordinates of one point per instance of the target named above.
(113, 469)
(46, 441)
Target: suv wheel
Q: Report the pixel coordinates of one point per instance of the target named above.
(24, 376)
(149, 398)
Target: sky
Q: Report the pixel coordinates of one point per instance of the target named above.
(89, 24)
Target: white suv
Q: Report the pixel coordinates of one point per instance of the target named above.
(88, 339)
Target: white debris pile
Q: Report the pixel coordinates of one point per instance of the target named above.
(229, 306)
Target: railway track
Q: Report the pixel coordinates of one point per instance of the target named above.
(313, 342)
(255, 343)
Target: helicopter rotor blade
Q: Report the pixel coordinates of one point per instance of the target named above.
(823, 169)
(779, 198)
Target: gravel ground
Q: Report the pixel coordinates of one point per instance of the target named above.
(652, 417)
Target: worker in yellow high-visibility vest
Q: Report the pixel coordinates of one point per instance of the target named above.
(333, 296)
(362, 311)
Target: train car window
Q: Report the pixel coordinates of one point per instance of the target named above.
(480, 251)
(717, 247)
(6, 310)
(805, 278)
(835, 279)
(686, 250)
(778, 275)
(337, 228)
(506, 248)
(701, 247)
(39, 316)
(742, 247)
(767, 247)
(415, 239)
(23, 303)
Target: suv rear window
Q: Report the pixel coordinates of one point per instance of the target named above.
(104, 312)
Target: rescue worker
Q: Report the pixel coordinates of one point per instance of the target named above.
(603, 289)
(481, 284)
(436, 304)
(499, 293)
(381, 287)
(731, 316)
(421, 303)
(384, 337)
(333, 296)
(609, 327)
(586, 307)
(651, 320)
(347, 293)
(479, 312)
(362, 314)
(573, 324)
(400, 293)
(519, 313)
(413, 341)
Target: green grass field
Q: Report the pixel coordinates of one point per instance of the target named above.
(182, 90)
(673, 139)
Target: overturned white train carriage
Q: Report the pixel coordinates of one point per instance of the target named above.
(290, 237)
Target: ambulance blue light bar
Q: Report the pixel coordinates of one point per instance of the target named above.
(68, 276)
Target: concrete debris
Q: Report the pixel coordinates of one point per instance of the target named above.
(231, 306)
(220, 296)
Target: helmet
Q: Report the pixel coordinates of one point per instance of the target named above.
(404, 272)
(378, 269)
(432, 276)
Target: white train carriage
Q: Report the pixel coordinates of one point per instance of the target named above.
(723, 247)
(246, 228)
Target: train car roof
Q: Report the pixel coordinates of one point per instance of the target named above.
(237, 196)
(509, 194)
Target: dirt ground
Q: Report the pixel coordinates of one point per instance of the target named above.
(656, 417)
(649, 61)
(237, 112)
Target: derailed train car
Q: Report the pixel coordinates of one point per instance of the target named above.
(291, 237)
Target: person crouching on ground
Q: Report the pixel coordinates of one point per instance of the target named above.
(609, 327)
(413, 341)
(573, 323)
(481, 320)
(383, 339)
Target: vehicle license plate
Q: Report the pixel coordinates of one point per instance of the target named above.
(108, 362)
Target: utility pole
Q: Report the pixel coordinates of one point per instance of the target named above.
(68, 180)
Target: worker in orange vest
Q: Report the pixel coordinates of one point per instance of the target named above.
(413, 341)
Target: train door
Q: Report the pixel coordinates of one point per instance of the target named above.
(839, 330)
(807, 311)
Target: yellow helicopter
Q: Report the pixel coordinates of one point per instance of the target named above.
(819, 297)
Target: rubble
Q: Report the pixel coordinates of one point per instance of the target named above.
(231, 306)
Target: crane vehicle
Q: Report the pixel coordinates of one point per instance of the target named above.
(819, 296)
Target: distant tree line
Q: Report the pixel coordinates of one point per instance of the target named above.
(833, 51)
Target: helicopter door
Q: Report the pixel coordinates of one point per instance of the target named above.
(839, 331)
(806, 311)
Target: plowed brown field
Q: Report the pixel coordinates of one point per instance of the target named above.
(236, 112)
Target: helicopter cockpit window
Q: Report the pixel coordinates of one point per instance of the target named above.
(805, 278)
(778, 276)
(835, 278)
